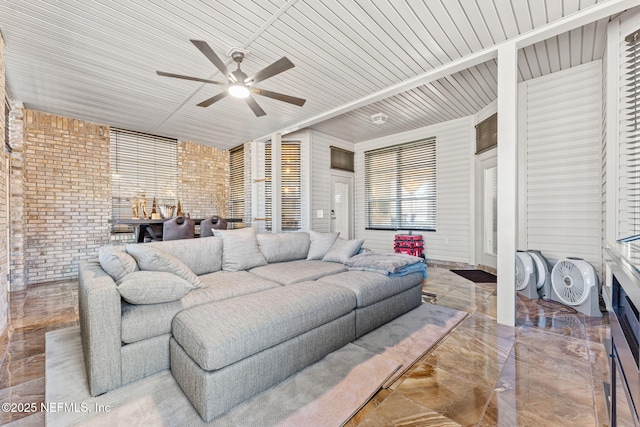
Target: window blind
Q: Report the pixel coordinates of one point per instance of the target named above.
(630, 128)
(7, 111)
(290, 181)
(342, 159)
(141, 164)
(400, 187)
(236, 184)
(291, 197)
(487, 134)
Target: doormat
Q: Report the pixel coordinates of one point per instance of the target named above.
(476, 276)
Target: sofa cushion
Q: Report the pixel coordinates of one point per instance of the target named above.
(245, 326)
(152, 287)
(342, 250)
(287, 273)
(202, 256)
(116, 262)
(240, 249)
(152, 258)
(142, 321)
(227, 284)
(373, 287)
(320, 244)
(281, 247)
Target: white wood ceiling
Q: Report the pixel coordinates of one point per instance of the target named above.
(96, 59)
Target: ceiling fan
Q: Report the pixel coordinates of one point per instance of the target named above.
(239, 84)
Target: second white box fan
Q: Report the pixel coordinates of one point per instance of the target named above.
(574, 282)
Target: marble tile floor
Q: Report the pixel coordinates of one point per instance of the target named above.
(546, 371)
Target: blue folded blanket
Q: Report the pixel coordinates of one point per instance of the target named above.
(388, 264)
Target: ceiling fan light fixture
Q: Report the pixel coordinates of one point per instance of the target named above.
(238, 90)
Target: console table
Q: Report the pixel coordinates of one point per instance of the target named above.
(139, 224)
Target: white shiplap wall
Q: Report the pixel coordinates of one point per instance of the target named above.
(453, 240)
(561, 143)
(321, 177)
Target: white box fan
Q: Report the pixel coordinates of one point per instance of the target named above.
(532, 274)
(574, 282)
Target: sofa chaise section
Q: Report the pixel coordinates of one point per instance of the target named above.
(259, 340)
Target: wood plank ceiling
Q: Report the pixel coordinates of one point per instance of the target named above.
(96, 60)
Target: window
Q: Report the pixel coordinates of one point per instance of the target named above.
(341, 159)
(236, 184)
(630, 128)
(487, 134)
(400, 187)
(141, 164)
(291, 197)
(7, 110)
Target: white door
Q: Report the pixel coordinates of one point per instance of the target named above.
(341, 209)
(487, 204)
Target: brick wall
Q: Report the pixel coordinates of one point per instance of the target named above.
(203, 179)
(4, 294)
(66, 194)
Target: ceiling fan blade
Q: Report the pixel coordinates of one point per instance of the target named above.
(215, 59)
(255, 107)
(216, 98)
(195, 79)
(282, 64)
(279, 96)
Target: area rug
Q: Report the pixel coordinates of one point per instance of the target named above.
(407, 338)
(476, 276)
(327, 393)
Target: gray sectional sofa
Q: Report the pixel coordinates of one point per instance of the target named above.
(232, 307)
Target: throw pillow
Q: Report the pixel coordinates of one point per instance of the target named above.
(116, 262)
(151, 258)
(320, 244)
(152, 287)
(342, 250)
(281, 247)
(240, 249)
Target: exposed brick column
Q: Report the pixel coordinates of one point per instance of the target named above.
(16, 188)
(4, 293)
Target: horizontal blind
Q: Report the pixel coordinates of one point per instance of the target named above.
(290, 183)
(236, 184)
(267, 187)
(400, 187)
(141, 164)
(630, 129)
(291, 187)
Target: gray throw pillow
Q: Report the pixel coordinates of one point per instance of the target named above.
(116, 262)
(240, 249)
(342, 250)
(320, 244)
(151, 258)
(281, 247)
(152, 287)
